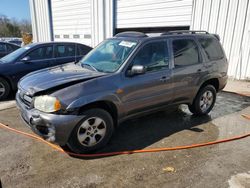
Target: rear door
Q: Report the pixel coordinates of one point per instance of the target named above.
(39, 58)
(215, 59)
(65, 53)
(187, 70)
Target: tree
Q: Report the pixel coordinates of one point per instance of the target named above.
(12, 27)
(25, 26)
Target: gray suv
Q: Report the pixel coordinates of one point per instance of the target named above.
(81, 104)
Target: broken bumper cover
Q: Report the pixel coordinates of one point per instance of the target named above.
(52, 127)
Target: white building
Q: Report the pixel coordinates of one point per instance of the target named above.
(91, 21)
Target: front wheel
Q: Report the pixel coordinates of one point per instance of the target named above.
(204, 101)
(4, 89)
(93, 132)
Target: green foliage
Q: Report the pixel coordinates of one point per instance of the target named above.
(13, 28)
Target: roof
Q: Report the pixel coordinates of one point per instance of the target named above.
(5, 42)
(139, 36)
(54, 42)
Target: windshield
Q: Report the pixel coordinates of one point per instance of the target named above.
(109, 55)
(12, 56)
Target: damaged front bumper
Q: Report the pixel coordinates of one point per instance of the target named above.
(52, 127)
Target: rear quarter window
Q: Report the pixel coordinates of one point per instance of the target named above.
(83, 50)
(11, 48)
(212, 48)
(2, 48)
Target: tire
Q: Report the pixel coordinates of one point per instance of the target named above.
(4, 89)
(93, 132)
(204, 101)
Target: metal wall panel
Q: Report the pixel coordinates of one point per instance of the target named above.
(85, 21)
(72, 20)
(231, 20)
(102, 20)
(41, 20)
(153, 13)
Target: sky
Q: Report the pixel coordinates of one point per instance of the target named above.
(18, 9)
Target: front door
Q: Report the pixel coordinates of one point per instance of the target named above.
(149, 90)
(39, 58)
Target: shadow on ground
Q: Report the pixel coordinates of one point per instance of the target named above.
(144, 131)
(9, 98)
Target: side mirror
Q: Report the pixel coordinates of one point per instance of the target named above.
(137, 69)
(26, 59)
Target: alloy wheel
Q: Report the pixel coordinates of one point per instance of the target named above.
(206, 101)
(91, 131)
(2, 89)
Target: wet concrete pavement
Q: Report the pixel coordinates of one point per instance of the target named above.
(28, 163)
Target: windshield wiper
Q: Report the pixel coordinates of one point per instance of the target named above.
(85, 65)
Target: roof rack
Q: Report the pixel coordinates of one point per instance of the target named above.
(131, 34)
(184, 31)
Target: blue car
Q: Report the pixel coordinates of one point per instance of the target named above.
(6, 48)
(34, 57)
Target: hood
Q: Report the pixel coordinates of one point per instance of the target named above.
(55, 77)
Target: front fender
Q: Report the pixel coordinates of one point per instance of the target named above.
(82, 101)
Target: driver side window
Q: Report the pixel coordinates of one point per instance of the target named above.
(41, 53)
(153, 56)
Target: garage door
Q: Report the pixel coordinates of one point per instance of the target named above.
(72, 20)
(153, 13)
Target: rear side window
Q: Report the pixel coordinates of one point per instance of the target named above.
(185, 52)
(212, 48)
(65, 50)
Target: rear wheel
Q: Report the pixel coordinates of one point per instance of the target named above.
(4, 89)
(204, 101)
(93, 132)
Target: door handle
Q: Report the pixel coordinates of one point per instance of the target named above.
(163, 79)
(199, 70)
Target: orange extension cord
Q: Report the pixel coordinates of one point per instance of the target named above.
(126, 152)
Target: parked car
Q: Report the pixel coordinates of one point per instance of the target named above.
(17, 42)
(131, 74)
(34, 57)
(6, 48)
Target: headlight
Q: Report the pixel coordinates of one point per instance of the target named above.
(47, 103)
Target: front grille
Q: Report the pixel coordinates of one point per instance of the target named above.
(26, 99)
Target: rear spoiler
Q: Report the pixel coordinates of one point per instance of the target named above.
(216, 36)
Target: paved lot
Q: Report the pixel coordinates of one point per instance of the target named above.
(27, 163)
(7, 104)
